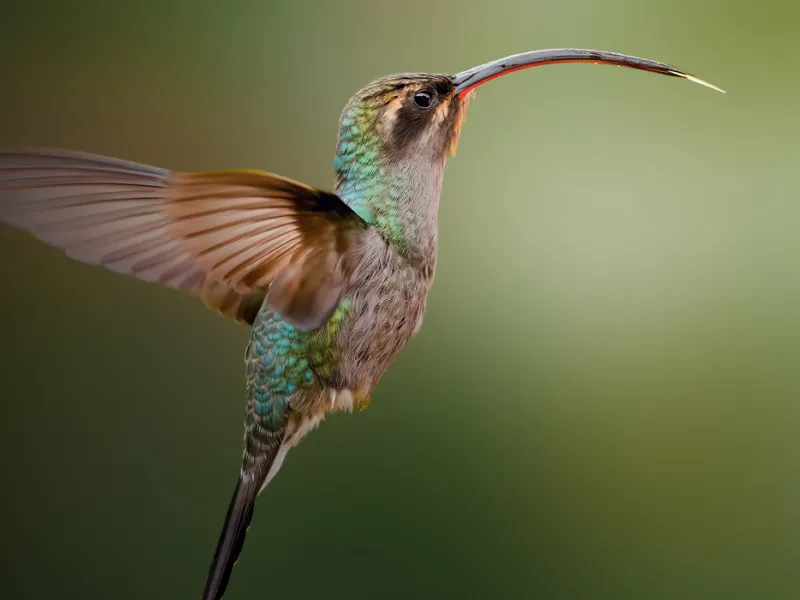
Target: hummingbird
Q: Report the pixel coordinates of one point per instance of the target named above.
(332, 284)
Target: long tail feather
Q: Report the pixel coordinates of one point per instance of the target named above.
(231, 540)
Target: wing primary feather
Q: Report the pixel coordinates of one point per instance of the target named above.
(222, 235)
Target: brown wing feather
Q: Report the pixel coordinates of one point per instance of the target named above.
(223, 236)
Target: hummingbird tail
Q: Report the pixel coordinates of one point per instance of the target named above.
(231, 540)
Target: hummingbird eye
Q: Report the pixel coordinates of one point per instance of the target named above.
(424, 98)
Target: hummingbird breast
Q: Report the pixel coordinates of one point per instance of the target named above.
(388, 296)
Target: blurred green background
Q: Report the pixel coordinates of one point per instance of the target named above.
(604, 402)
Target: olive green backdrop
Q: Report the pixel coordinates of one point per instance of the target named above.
(604, 402)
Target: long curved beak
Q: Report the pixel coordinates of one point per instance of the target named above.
(468, 80)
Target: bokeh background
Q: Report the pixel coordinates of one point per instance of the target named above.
(604, 402)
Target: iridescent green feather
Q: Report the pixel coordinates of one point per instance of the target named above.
(364, 183)
(282, 360)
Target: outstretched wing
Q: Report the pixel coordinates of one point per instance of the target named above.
(223, 236)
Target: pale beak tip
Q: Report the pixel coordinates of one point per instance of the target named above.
(698, 80)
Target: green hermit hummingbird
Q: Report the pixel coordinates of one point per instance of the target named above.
(333, 285)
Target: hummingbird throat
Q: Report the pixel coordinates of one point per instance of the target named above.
(398, 196)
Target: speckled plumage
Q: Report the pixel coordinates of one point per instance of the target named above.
(285, 364)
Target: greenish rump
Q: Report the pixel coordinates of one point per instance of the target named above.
(282, 360)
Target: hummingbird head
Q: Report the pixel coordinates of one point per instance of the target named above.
(402, 117)
(420, 116)
(396, 134)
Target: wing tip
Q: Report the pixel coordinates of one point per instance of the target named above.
(24, 156)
